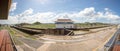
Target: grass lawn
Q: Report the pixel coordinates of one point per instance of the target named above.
(80, 25)
(1, 27)
(84, 25)
(44, 26)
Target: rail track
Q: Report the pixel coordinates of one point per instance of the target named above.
(6, 42)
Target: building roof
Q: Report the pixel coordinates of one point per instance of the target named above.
(64, 20)
(4, 8)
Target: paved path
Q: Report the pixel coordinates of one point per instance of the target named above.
(93, 41)
(5, 41)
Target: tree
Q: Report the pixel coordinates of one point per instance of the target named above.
(36, 23)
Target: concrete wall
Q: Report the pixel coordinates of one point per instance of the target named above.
(55, 31)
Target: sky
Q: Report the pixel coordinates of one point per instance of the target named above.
(47, 11)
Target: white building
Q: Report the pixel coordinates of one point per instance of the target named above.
(64, 23)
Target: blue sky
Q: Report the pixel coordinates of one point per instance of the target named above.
(47, 11)
(66, 5)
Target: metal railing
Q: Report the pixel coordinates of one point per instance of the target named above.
(13, 43)
(109, 45)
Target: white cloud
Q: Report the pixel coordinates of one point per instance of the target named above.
(25, 16)
(27, 12)
(46, 2)
(43, 1)
(106, 9)
(87, 12)
(85, 15)
(11, 20)
(13, 6)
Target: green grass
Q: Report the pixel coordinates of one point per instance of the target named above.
(23, 34)
(12, 33)
(1, 27)
(84, 25)
(43, 26)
